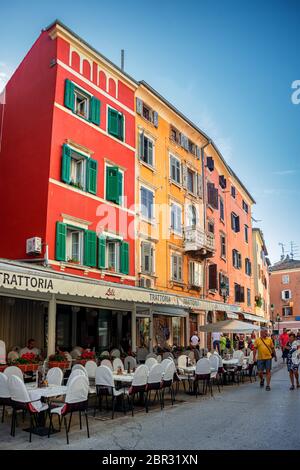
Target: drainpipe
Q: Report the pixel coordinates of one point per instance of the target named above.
(204, 210)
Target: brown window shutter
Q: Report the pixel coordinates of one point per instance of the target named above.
(213, 277)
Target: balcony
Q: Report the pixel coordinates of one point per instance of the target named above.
(200, 242)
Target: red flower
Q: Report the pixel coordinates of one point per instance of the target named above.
(87, 355)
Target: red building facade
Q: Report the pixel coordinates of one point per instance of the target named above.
(69, 129)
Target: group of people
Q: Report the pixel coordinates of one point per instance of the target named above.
(17, 352)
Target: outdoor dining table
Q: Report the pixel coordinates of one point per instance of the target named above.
(38, 393)
(125, 378)
(230, 362)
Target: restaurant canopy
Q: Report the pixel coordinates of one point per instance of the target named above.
(230, 326)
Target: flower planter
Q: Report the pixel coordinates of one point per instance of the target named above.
(61, 365)
(27, 367)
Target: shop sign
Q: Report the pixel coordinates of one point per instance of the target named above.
(25, 282)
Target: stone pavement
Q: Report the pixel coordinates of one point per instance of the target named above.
(240, 417)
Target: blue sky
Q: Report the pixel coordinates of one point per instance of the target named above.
(229, 66)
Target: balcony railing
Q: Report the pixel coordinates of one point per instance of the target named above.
(196, 239)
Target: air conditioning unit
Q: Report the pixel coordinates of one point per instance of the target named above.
(146, 282)
(33, 246)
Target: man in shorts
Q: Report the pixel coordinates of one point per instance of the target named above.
(264, 349)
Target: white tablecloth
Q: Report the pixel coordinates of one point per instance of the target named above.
(126, 378)
(46, 392)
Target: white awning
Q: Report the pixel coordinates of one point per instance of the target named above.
(232, 315)
(249, 316)
(230, 326)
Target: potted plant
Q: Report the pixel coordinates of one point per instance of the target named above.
(112, 269)
(58, 360)
(86, 355)
(28, 362)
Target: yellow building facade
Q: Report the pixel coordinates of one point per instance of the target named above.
(261, 275)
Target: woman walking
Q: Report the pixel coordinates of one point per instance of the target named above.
(291, 347)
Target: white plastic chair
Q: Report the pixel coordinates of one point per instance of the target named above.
(203, 374)
(115, 353)
(105, 386)
(13, 370)
(154, 383)
(20, 400)
(159, 358)
(4, 393)
(107, 363)
(131, 361)
(214, 364)
(167, 354)
(117, 363)
(167, 382)
(55, 376)
(91, 368)
(240, 356)
(2, 352)
(208, 354)
(75, 373)
(165, 363)
(138, 385)
(181, 363)
(151, 355)
(104, 354)
(79, 367)
(141, 354)
(150, 362)
(76, 400)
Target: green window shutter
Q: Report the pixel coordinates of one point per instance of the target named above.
(101, 251)
(120, 187)
(66, 164)
(121, 126)
(91, 175)
(112, 184)
(61, 236)
(124, 257)
(95, 110)
(90, 239)
(113, 127)
(141, 145)
(69, 95)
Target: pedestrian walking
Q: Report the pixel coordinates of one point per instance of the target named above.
(283, 340)
(292, 367)
(264, 349)
(216, 337)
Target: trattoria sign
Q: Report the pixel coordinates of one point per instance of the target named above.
(82, 288)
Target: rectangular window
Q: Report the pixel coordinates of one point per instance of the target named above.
(246, 230)
(248, 268)
(191, 147)
(146, 112)
(74, 246)
(147, 262)
(239, 293)
(79, 170)
(233, 192)
(222, 214)
(287, 311)
(114, 184)
(285, 279)
(195, 274)
(235, 222)
(82, 103)
(212, 196)
(213, 277)
(176, 218)
(211, 226)
(222, 181)
(146, 150)
(175, 169)
(236, 259)
(191, 181)
(286, 294)
(223, 246)
(223, 285)
(113, 256)
(176, 267)
(175, 135)
(115, 126)
(210, 163)
(249, 297)
(245, 207)
(147, 201)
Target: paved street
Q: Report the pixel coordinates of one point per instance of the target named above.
(244, 417)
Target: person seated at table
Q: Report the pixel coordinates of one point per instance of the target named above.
(13, 354)
(30, 348)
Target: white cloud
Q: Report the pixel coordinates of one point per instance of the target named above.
(284, 172)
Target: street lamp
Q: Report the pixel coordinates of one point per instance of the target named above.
(224, 291)
(278, 319)
(272, 316)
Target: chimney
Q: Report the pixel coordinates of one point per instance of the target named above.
(122, 59)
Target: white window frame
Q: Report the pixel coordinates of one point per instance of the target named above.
(152, 165)
(78, 158)
(87, 96)
(178, 256)
(194, 173)
(173, 229)
(283, 294)
(193, 272)
(171, 156)
(80, 231)
(112, 241)
(285, 279)
(143, 217)
(152, 272)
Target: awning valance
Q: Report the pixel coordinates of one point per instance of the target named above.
(249, 316)
(232, 315)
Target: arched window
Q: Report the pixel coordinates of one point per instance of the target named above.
(75, 61)
(102, 80)
(192, 216)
